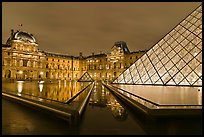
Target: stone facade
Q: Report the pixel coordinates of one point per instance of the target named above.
(22, 60)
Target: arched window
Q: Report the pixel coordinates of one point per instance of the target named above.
(114, 65)
(21, 63)
(114, 74)
(29, 64)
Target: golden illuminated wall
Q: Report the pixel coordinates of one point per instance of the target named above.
(22, 60)
(104, 67)
(62, 67)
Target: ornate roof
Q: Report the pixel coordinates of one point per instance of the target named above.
(22, 36)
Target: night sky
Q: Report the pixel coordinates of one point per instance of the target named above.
(70, 28)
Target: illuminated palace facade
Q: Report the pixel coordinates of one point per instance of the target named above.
(22, 60)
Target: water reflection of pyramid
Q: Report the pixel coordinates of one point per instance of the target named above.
(175, 60)
(85, 78)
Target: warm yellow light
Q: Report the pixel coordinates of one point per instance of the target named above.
(20, 72)
(20, 87)
(41, 87)
(41, 73)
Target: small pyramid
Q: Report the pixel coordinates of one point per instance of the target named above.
(85, 78)
(175, 60)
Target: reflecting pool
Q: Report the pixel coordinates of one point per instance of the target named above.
(104, 113)
(60, 91)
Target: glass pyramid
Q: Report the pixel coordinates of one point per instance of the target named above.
(85, 78)
(175, 60)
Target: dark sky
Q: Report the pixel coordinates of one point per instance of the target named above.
(70, 28)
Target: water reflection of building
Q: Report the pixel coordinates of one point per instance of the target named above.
(22, 59)
(101, 97)
(61, 91)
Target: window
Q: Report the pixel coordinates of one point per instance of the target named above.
(100, 66)
(114, 74)
(25, 63)
(114, 65)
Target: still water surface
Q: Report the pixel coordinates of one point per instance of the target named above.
(104, 113)
(61, 91)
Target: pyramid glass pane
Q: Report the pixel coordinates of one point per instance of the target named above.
(85, 78)
(168, 65)
(166, 77)
(155, 78)
(138, 81)
(159, 82)
(148, 81)
(185, 69)
(184, 82)
(175, 60)
(180, 38)
(136, 78)
(198, 70)
(171, 82)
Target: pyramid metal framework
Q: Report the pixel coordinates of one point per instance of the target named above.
(175, 60)
(85, 78)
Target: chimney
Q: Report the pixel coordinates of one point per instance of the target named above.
(92, 53)
(12, 33)
(80, 54)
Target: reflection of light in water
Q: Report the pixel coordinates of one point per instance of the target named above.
(20, 87)
(59, 83)
(102, 91)
(41, 82)
(118, 111)
(41, 87)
